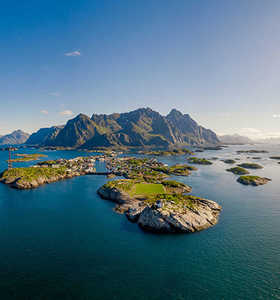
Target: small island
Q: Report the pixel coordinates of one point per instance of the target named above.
(238, 171)
(253, 180)
(47, 172)
(275, 157)
(214, 148)
(251, 151)
(199, 161)
(229, 161)
(27, 157)
(173, 152)
(250, 166)
(162, 207)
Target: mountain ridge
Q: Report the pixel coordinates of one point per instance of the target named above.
(17, 137)
(138, 128)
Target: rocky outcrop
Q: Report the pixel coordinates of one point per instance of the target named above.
(114, 194)
(164, 216)
(166, 219)
(253, 180)
(23, 184)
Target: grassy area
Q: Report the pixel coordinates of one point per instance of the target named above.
(178, 200)
(27, 157)
(122, 184)
(30, 174)
(181, 151)
(173, 184)
(176, 169)
(251, 180)
(229, 161)
(148, 189)
(250, 166)
(238, 171)
(153, 193)
(199, 161)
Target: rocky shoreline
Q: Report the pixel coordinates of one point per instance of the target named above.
(164, 216)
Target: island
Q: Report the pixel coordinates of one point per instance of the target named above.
(148, 169)
(27, 157)
(213, 148)
(275, 157)
(199, 161)
(145, 196)
(250, 166)
(47, 172)
(162, 207)
(172, 152)
(238, 171)
(251, 151)
(253, 180)
(229, 161)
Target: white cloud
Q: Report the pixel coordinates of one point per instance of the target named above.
(250, 130)
(257, 134)
(74, 53)
(276, 116)
(66, 112)
(44, 112)
(55, 94)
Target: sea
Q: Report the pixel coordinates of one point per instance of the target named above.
(62, 241)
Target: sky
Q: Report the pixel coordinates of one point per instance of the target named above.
(217, 60)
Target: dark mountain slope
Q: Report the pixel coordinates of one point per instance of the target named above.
(141, 127)
(44, 135)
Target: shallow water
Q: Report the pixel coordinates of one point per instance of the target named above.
(61, 241)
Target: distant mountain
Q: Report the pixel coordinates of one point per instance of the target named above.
(235, 139)
(273, 140)
(43, 135)
(141, 127)
(15, 138)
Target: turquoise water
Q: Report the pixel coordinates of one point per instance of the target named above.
(61, 241)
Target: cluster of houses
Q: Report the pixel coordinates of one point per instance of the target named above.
(80, 165)
(125, 165)
(75, 165)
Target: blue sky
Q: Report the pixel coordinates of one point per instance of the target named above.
(217, 60)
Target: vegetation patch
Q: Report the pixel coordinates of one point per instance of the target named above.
(177, 201)
(199, 161)
(30, 174)
(27, 157)
(253, 180)
(148, 189)
(122, 184)
(173, 183)
(181, 151)
(229, 161)
(238, 171)
(251, 151)
(250, 166)
(179, 170)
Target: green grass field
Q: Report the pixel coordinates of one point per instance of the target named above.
(148, 189)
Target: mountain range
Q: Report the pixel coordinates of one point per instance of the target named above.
(15, 138)
(141, 127)
(235, 139)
